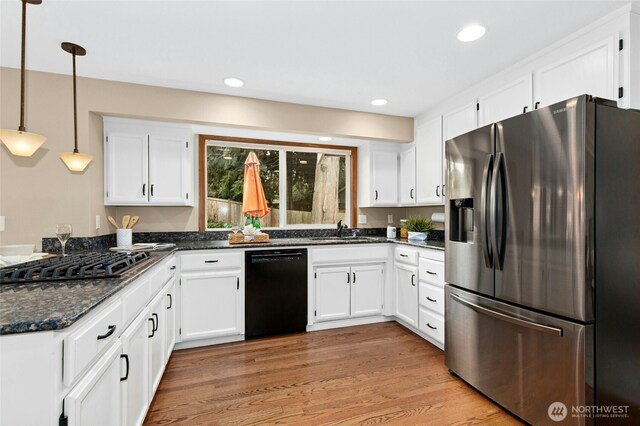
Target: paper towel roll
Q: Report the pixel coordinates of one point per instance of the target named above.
(438, 217)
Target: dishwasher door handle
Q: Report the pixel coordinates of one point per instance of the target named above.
(262, 256)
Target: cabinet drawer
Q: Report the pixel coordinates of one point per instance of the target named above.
(431, 297)
(407, 255)
(134, 299)
(85, 344)
(211, 260)
(156, 279)
(431, 324)
(431, 272)
(170, 268)
(433, 254)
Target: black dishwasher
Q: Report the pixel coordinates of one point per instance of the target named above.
(275, 292)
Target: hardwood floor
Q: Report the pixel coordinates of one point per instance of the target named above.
(380, 373)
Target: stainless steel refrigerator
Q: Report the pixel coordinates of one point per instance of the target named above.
(542, 247)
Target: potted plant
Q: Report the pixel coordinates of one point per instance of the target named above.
(419, 227)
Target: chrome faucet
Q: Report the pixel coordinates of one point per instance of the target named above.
(341, 228)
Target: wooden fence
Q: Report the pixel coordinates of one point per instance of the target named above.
(227, 211)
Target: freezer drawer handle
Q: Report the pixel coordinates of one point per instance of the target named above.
(504, 317)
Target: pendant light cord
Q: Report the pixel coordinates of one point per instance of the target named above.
(22, 60)
(75, 114)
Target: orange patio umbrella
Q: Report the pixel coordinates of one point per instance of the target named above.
(253, 200)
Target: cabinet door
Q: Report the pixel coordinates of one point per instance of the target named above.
(429, 162)
(407, 294)
(333, 293)
(169, 170)
(367, 282)
(408, 177)
(157, 325)
(125, 173)
(460, 121)
(508, 101)
(211, 305)
(135, 388)
(170, 319)
(591, 71)
(384, 177)
(96, 399)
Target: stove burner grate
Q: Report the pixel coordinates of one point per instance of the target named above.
(72, 267)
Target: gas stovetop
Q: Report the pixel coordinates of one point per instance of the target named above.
(73, 267)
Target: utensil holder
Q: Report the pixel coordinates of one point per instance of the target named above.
(124, 237)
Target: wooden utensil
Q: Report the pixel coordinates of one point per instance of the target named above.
(113, 222)
(133, 221)
(125, 221)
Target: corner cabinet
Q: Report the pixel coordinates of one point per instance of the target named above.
(430, 158)
(147, 163)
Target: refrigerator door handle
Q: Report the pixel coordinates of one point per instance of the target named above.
(497, 178)
(504, 317)
(484, 205)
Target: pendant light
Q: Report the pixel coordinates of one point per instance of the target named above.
(75, 161)
(20, 142)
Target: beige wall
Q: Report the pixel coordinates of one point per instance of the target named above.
(38, 192)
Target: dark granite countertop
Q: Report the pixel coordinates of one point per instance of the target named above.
(56, 305)
(296, 242)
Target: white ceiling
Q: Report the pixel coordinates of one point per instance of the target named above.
(338, 54)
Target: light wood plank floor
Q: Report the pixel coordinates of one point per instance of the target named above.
(380, 373)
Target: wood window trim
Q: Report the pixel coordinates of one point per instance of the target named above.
(202, 162)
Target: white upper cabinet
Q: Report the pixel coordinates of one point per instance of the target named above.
(385, 178)
(429, 162)
(510, 100)
(460, 120)
(126, 161)
(408, 177)
(378, 174)
(592, 71)
(147, 163)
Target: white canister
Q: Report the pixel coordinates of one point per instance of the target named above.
(124, 237)
(391, 232)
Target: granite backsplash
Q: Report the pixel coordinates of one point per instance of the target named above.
(103, 242)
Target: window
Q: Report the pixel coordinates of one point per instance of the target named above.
(305, 185)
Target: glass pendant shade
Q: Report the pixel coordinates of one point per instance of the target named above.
(75, 161)
(22, 144)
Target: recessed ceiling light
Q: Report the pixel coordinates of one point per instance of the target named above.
(325, 138)
(471, 33)
(379, 102)
(233, 82)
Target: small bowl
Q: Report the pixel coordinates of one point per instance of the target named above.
(17, 250)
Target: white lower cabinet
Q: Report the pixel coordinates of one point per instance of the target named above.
(156, 322)
(211, 304)
(96, 399)
(135, 383)
(407, 293)
(333, 293)
(348, 292)
(170, 319)
(367, 283)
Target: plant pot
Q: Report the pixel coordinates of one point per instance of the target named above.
(418, 236)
